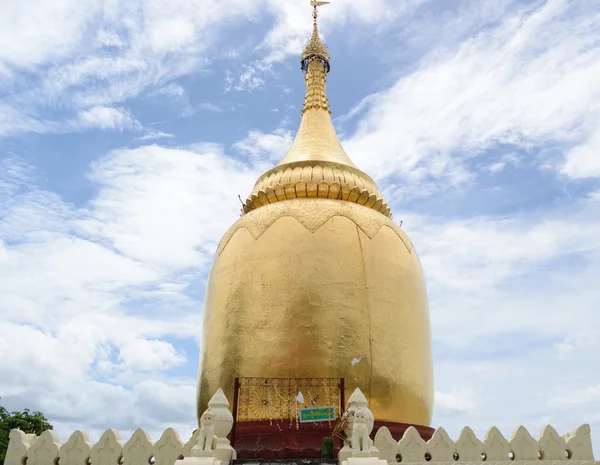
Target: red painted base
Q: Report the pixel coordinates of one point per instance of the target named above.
(285, 440)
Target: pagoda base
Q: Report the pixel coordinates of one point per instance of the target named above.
(291, 440)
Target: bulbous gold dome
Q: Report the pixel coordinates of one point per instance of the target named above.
(320, 288)
(316, 281)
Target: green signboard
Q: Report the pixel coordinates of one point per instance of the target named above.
(308, 415)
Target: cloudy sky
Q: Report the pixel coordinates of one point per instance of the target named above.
(128, 129)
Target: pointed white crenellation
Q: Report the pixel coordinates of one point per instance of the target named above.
(44, 451)
(468, 447)
(574, 448)
(411, 447)
(386, 445)
(139, 449)
(169, 448)
(495, 446)
(441, 447)
(18, 445)
(552, 446)
(579, 443)
(77, 450)
(523, 446)
(108, 450)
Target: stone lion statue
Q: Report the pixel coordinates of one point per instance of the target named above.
(360, 432)
(207, 432)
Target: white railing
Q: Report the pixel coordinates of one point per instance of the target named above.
(47, 449)
(522, 447)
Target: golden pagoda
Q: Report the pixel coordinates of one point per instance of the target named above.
(315, 280)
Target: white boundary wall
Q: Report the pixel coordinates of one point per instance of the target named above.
(574, 448)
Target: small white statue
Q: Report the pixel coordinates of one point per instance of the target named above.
(207, 432)
(360, 432)
(358, 426)
(358, 399)
(209, 444)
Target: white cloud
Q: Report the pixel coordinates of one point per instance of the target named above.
(583, 161)
(108, 118)
(147, 207)
(456, 402)
(259, 146)
(171, 34)
(144, 354)
(45, 31)
(477, 253)
(172, 90)
(575, 342)
(293, 27)
(13, 122)
(496, 167)
(530, 82)
(153, 135)
(98, 54)
(96, 291)
(109, 39)
(582, 396)
(501, 277)
(211, 107)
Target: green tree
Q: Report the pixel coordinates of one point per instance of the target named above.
(29, 423)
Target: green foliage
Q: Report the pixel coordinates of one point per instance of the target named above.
(29, 423)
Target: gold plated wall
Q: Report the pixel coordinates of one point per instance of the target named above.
(320, 288)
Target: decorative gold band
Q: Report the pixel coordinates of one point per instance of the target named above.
(316, 179)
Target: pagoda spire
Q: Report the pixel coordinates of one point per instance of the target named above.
(315, 48)
(315, 61)
(316, 138)
(316, 163)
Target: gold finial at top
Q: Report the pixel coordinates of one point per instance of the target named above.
(315, 48)
(316, 4)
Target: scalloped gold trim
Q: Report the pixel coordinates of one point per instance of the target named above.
(314, 179)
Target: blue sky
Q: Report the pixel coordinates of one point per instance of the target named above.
(127, 130)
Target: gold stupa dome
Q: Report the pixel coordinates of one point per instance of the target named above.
(315, 280)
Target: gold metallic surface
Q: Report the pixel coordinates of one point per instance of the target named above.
(275, 399)
(320, 288)
(316, 281)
